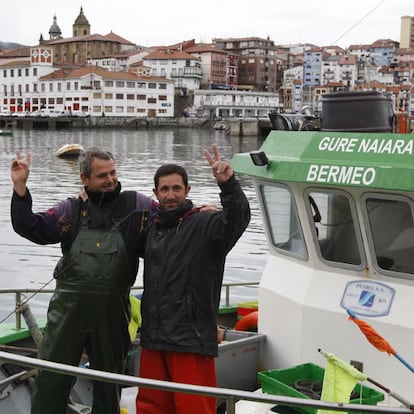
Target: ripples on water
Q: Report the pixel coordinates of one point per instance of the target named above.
(138, 154)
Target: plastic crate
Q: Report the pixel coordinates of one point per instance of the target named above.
(279, 382)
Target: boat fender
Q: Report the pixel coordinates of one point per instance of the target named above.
(247, 322)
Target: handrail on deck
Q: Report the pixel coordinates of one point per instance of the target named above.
(231, 395)
(19, 292)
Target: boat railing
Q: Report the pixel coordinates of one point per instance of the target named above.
(231, 396)
(24, 295)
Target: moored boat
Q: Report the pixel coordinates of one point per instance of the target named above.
(338, 210)
(6, 133)
(69, 151)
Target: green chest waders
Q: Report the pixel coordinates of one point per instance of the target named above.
(88, 311)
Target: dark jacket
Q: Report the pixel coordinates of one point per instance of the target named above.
(183, 272)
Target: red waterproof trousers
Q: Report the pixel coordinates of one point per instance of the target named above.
(181, 367)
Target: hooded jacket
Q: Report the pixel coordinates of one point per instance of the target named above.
(184, 259)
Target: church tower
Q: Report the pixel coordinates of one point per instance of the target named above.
(81, 27)
(54, 31)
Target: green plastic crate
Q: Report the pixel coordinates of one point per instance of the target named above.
(278, 382)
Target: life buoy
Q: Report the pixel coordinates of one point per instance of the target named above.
(248, 321)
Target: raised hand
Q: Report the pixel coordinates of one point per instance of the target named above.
(222, 170)
(20, 169)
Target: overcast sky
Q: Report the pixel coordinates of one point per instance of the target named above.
(163, 22)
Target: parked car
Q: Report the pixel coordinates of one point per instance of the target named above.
(81, 114)
(20, 114)
(51, 113)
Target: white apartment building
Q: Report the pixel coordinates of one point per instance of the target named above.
(232, 104)
(28, 86)
(183, 68)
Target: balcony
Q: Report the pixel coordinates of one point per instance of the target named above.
(188, 72)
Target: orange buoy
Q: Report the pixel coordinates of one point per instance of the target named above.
(247, 322)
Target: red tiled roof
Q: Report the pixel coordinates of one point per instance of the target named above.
(169, 54)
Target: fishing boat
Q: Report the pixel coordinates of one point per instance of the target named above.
(6, 133)
(338, 209)
(220, 126)
(69, 151)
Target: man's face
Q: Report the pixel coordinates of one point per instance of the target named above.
(103, 176)
(171, 191)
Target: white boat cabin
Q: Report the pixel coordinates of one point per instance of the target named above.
(338, 209)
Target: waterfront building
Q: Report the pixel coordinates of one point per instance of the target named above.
(407, 32)
(257, 61)
(219, 68)
(382, 51)
(83, 45)
(182, 67)
(330, 68)
(221, 104)
(28, 86)
(291, 92)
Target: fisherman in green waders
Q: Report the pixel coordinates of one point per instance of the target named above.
(90, 308)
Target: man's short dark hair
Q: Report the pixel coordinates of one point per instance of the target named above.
(86, 158)
(168, 169)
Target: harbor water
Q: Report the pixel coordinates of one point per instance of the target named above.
(138, 154)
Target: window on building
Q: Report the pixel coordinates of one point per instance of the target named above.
(162, 97)
(108, 96)
(152, 85)
(162, 86)
(152, 100)
(50, 87)
(120, 84)
(141, 97)
(68, 85)
(141, 84)
(26, 72)
(119, 96)
(130, 96)
(109, 84)
(130, 84)
(108, 108)
(34, 71)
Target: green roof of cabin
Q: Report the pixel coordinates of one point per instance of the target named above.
(370, 160)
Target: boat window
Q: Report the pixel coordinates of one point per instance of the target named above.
(392, 232)
(335, 227)
(282, 218)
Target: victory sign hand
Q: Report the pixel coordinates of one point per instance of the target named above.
(222, 170)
